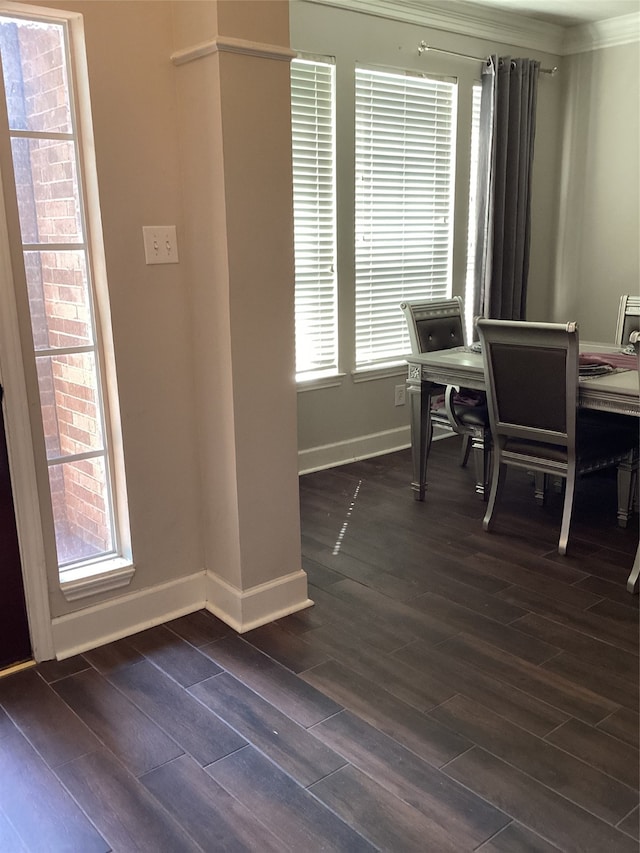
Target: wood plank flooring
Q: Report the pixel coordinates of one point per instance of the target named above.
(449, 691)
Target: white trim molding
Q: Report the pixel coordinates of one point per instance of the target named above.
(370, 374)
(244, 610)
(228, 44)
(353, 449)
(334, 380)
(128, 614)
(464, 19)
(498, 25)
(111, 620)
(611, 33)
(95, 578)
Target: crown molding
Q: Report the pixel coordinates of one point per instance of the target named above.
(228, 44)
(509, 28)
(462, 18)
(610, 33)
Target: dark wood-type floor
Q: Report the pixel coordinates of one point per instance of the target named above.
(450, 690)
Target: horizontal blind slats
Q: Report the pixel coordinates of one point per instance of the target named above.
(403, 197)
(313, 157)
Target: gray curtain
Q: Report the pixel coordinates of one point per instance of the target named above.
(507, 131)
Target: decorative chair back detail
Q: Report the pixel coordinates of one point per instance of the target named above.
(628, 319)
(434, 324)
(543, 406)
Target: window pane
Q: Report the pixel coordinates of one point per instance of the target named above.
(35, 76)
(70, 404)
(47, 163)
(405, 135)
(59, 300)
(81, 511)
(47, 189)
(312, 121)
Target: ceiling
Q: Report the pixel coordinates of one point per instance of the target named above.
(564, 13)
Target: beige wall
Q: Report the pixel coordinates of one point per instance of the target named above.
(598, 256)
(355, 409)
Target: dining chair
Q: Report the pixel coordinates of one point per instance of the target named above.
(437, 324)
(531, 375)
(628, 320)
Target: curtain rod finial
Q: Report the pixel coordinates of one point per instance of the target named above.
(422, 48)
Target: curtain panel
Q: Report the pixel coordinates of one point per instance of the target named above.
(503, 207)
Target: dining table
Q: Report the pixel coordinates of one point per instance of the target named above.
(616, 391)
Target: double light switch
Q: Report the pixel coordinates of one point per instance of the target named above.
(160, 244)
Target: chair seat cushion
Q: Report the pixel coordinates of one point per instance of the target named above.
(596, 439)
(472, 415)
(535, 449)
(475, 416)
(469, 406)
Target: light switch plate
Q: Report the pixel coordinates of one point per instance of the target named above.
(160, 244)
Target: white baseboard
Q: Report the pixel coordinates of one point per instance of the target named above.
(244, 610)
(351, 450)
(365, 447)
(120, 617)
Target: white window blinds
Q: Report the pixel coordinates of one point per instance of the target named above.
(405, 142)
(312, 115)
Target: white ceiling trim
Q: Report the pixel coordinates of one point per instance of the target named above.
(491, 25)
(611, 33)
(500, 26)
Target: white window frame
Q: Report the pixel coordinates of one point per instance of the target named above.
(315, 228)
(470, 282)
(391, 90)
(116, 569)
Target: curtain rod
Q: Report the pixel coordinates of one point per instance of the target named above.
(423, 47)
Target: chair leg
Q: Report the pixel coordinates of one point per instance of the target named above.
(627, 478)
(632, 582)
(465, 450)
(567, 509)
(499, 476)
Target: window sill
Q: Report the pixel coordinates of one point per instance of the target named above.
(94, 578)
(380, 371)
(328, 381)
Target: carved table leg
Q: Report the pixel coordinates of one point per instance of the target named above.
(420, 400)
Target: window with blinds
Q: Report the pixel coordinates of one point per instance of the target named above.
(313, 134)
(405, 149)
